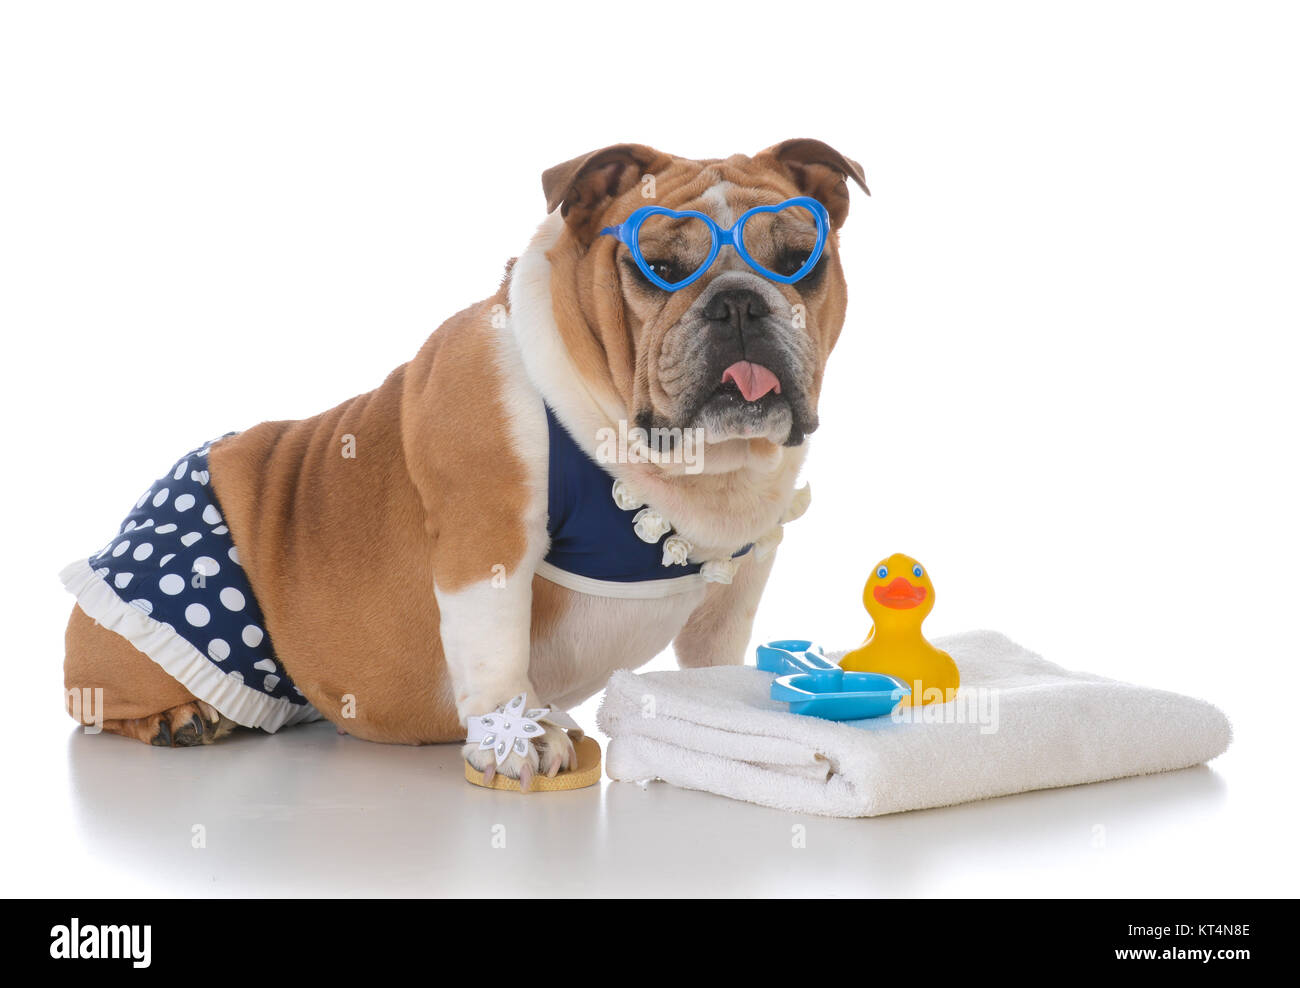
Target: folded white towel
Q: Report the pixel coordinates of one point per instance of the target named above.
(1019, 723)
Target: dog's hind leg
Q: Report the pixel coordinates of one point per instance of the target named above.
(112, 685)
(182, 726)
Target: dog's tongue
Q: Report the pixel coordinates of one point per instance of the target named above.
(754, 380)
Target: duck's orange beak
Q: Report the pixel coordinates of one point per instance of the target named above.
(900, 594)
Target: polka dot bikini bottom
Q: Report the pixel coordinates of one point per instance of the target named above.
(175, 565)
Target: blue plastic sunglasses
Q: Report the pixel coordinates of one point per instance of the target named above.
(629, 232)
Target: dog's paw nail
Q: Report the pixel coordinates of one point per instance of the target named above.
(489, 773)
(526, 778)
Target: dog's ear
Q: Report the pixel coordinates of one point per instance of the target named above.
(821, 172)
(580, 188)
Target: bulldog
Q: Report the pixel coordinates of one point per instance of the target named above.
(568, 477)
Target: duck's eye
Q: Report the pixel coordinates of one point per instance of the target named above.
(882, 572)
(917, 571)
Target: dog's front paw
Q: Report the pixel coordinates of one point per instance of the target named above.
(549, 753)
(555, 751)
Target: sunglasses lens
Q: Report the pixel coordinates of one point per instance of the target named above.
(674, 247)
(783, 242)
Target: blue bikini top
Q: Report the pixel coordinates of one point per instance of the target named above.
(591, 536)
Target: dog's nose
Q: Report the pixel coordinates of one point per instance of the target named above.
(737, 307)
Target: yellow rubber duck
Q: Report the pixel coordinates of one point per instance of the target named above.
(898, 596)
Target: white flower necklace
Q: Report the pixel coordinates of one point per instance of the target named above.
(650, 526)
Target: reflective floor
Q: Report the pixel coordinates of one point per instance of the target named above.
(311, 812)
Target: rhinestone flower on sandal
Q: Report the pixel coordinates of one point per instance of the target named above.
(510, 728)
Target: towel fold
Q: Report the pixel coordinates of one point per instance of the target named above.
(1018, 723)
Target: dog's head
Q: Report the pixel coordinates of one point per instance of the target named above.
(735, 353)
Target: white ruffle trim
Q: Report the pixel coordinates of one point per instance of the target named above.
(179, 659)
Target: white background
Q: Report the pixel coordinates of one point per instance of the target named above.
(1066, 384)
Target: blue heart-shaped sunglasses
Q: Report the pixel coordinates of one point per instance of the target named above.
(629, 232)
